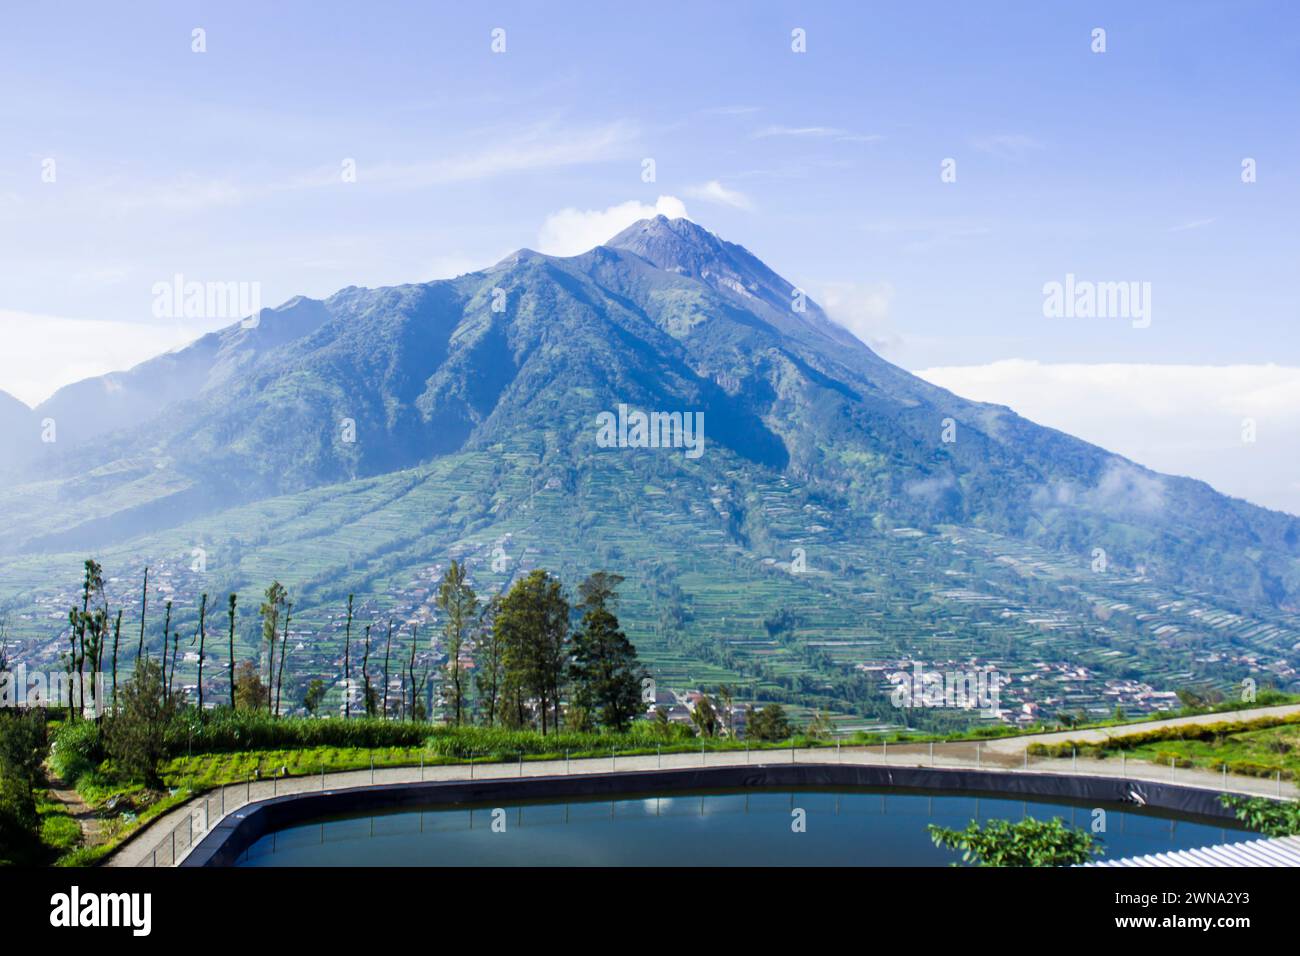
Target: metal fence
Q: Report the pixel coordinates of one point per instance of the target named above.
(205, 812)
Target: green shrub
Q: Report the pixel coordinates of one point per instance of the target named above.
(77, 749)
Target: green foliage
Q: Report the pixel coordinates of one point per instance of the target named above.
(1028, 842)
(1274, 818)
(22, 748)
(532, 623)
(606, 676)
(134, 735)
(76, 749)
(314, 697)
(768, 723)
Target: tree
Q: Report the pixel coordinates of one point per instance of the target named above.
(457, 600)
(820, 726)
(133, 737)
(250, 692)
(489, 662)
(533, 622)
(203, 639)
(117, 633)
(314, 697)
(144, 607)
(167, 625)
(270, 610)
(347, 664)
(367, 696)
(705, 717)
(727, 698)
(92, 584)
(284, 651)
(1027, 842)
(22, 750)
(605, 673)
(388, 646)
(769, 723)
(230, 667)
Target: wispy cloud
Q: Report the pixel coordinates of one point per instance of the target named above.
(1007, 145)
(714, 192)
(816, 132)
(504, 152)
(1193, 224)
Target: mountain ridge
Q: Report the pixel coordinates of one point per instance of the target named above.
(664, 315)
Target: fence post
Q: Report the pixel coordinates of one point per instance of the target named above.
(1225, 778)
(521, 763)
(979, 760)
(1074, 758)
(931, 753)
(422, 766)
(659, 756)
(701, 751)
(884, 749)
(1026, 757)
(746, 750)
(566, 763)
(1279, 783)
(372, 769)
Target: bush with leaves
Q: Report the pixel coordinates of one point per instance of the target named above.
(135, 735)
(768, 723)
(1274, 818)
(22, 748)
(76, 749)
(1027, 842)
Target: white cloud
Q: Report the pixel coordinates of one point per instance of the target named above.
(713, 191)
(1178, 419)
(863, 309)
(44, 352)
(570, 232)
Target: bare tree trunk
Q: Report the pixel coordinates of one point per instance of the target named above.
(284, 649)
(203, 638)
(347, 665)
(388, 644)
(144, 607)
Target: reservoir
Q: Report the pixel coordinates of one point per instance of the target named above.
(779, 827)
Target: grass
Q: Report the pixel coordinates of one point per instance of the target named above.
(1262, 747)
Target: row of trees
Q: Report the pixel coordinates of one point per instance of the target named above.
(516, 660)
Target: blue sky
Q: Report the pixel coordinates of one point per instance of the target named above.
(225, 165)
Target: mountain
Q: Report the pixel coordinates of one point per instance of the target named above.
(356, 441)
(18, 428)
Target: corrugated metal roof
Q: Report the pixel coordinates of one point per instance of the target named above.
(1282, 851)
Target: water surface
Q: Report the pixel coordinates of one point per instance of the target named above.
(751, 828)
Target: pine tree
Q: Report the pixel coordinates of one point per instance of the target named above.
(605, 673)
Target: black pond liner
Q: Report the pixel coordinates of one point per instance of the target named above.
(228, 840)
